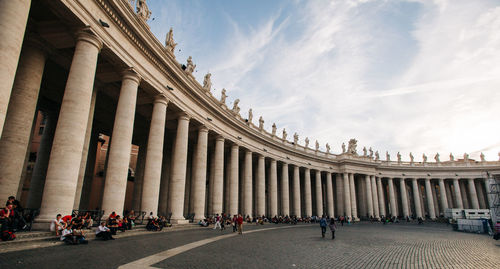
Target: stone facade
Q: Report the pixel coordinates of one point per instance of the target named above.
(197, 157)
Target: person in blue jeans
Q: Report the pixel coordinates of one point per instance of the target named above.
(323, 224)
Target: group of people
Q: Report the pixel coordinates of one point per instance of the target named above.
(220, 222)
(11, 219)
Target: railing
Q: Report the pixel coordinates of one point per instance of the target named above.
(96, 215)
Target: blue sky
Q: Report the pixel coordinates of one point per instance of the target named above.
(409, 76)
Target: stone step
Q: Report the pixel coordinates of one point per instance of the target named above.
(28, 240)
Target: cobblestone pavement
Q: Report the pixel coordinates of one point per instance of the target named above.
(364, 245)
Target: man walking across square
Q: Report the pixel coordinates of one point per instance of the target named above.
(240, 224)
(323, 224)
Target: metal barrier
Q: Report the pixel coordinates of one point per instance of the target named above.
(96, 215)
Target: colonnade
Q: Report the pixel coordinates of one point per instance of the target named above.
(187, 167)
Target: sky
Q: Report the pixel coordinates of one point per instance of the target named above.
(398, 76)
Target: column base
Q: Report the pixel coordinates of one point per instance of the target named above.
(179, 221)
(41, 225)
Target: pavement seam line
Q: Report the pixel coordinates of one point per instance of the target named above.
(146, 262)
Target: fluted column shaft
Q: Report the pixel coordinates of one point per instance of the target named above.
(273, 187)
(442, 196)
(200, 173)
(247, 185)
(392, 197)
(416, 198)
(329, 195)
(121, 145)
(296, 191)
(154, 157)
(177, 185)
(430, 200)
(369, 198)
(458, 194)
(347, 195)
(339, 194)
(381, 200)
(42, 161)
(374, 197)
(285, 194)
(473, 193)
(66, 152)
(487, 188)
(307, 192)
(13, 20)
(261, 187)
(233, 180)
(354, 210)
(16, 134)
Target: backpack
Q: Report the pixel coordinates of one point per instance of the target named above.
(8, 236)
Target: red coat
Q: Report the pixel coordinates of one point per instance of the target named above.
(240, 220)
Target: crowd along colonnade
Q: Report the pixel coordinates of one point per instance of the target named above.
(197, 157)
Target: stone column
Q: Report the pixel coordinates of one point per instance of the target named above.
(449, 195)
(404, 197)
(480, 194)
(296, 191)
(247, 185)
(13, 20)
(307, 192)
(458, 194)
(19, 120)
(416, 198)
(88, 175)
(200, 173)
(273, 187)
(369, 198)
(285, 196)
(217, 195)
(352, 187)
(381, 200)
(319, 194)
(165, 177)
(154, 156)
(86, 144)
(42, 161)
(233, 180)
(374, 197)
(66, 152)
(347, 196)
(115, 184)
(329, 195)
(392, 197)
(463, 191)
(430, 200)
(261, 187)
(442, 196)
(177, 184)
(139, 175)
(339, 194)
(473, 194)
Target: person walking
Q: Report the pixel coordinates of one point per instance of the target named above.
(323, 224)
(342, 220)
(217, 222)
(234, 223)
(240, 223)
(333, 227)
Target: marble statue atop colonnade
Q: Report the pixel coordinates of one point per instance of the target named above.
(169, 42)
(207, 82)
(142, 10)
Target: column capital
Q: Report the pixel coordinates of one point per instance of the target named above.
(131, 73)
(87, 35)
(219, 138)
(260, 156)
(161, 98)
(183, 116)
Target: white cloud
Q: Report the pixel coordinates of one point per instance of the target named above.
(415, 76)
